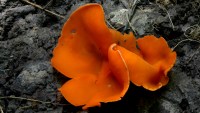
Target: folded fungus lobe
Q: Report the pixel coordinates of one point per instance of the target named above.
(101, 61)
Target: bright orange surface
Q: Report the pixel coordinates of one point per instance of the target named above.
(101, 62)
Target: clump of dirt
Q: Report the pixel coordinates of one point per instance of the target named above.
(29, 84)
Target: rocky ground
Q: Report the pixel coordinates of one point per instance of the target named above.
(28, 83)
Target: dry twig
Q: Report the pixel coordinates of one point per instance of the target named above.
(132, 28)
(48, 3)
(167, 15)
(28, 99)
(193, 32)
(162, 7)
(1, 109)
(110, 24)
(40, 7)
(132, 12)
(185, 40)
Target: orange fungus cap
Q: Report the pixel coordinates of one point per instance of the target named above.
(83, 54)
(101, 61)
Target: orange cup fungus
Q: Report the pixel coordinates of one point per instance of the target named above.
(101, 61)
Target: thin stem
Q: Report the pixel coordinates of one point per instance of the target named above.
(184, 41)
(40, 7)
(28, 99)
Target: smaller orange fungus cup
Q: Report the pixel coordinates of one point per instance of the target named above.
(101, 61)
(151, 67)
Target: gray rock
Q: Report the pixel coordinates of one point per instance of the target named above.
(144, 19)
(32, 77)
(17, 11)
(185, 84)
(17, 29)
(34, 20)
(169, 107)
(7, 18)
(3, 2)
(118, 18)
(190, 89)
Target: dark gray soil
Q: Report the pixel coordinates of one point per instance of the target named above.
(28, 36)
